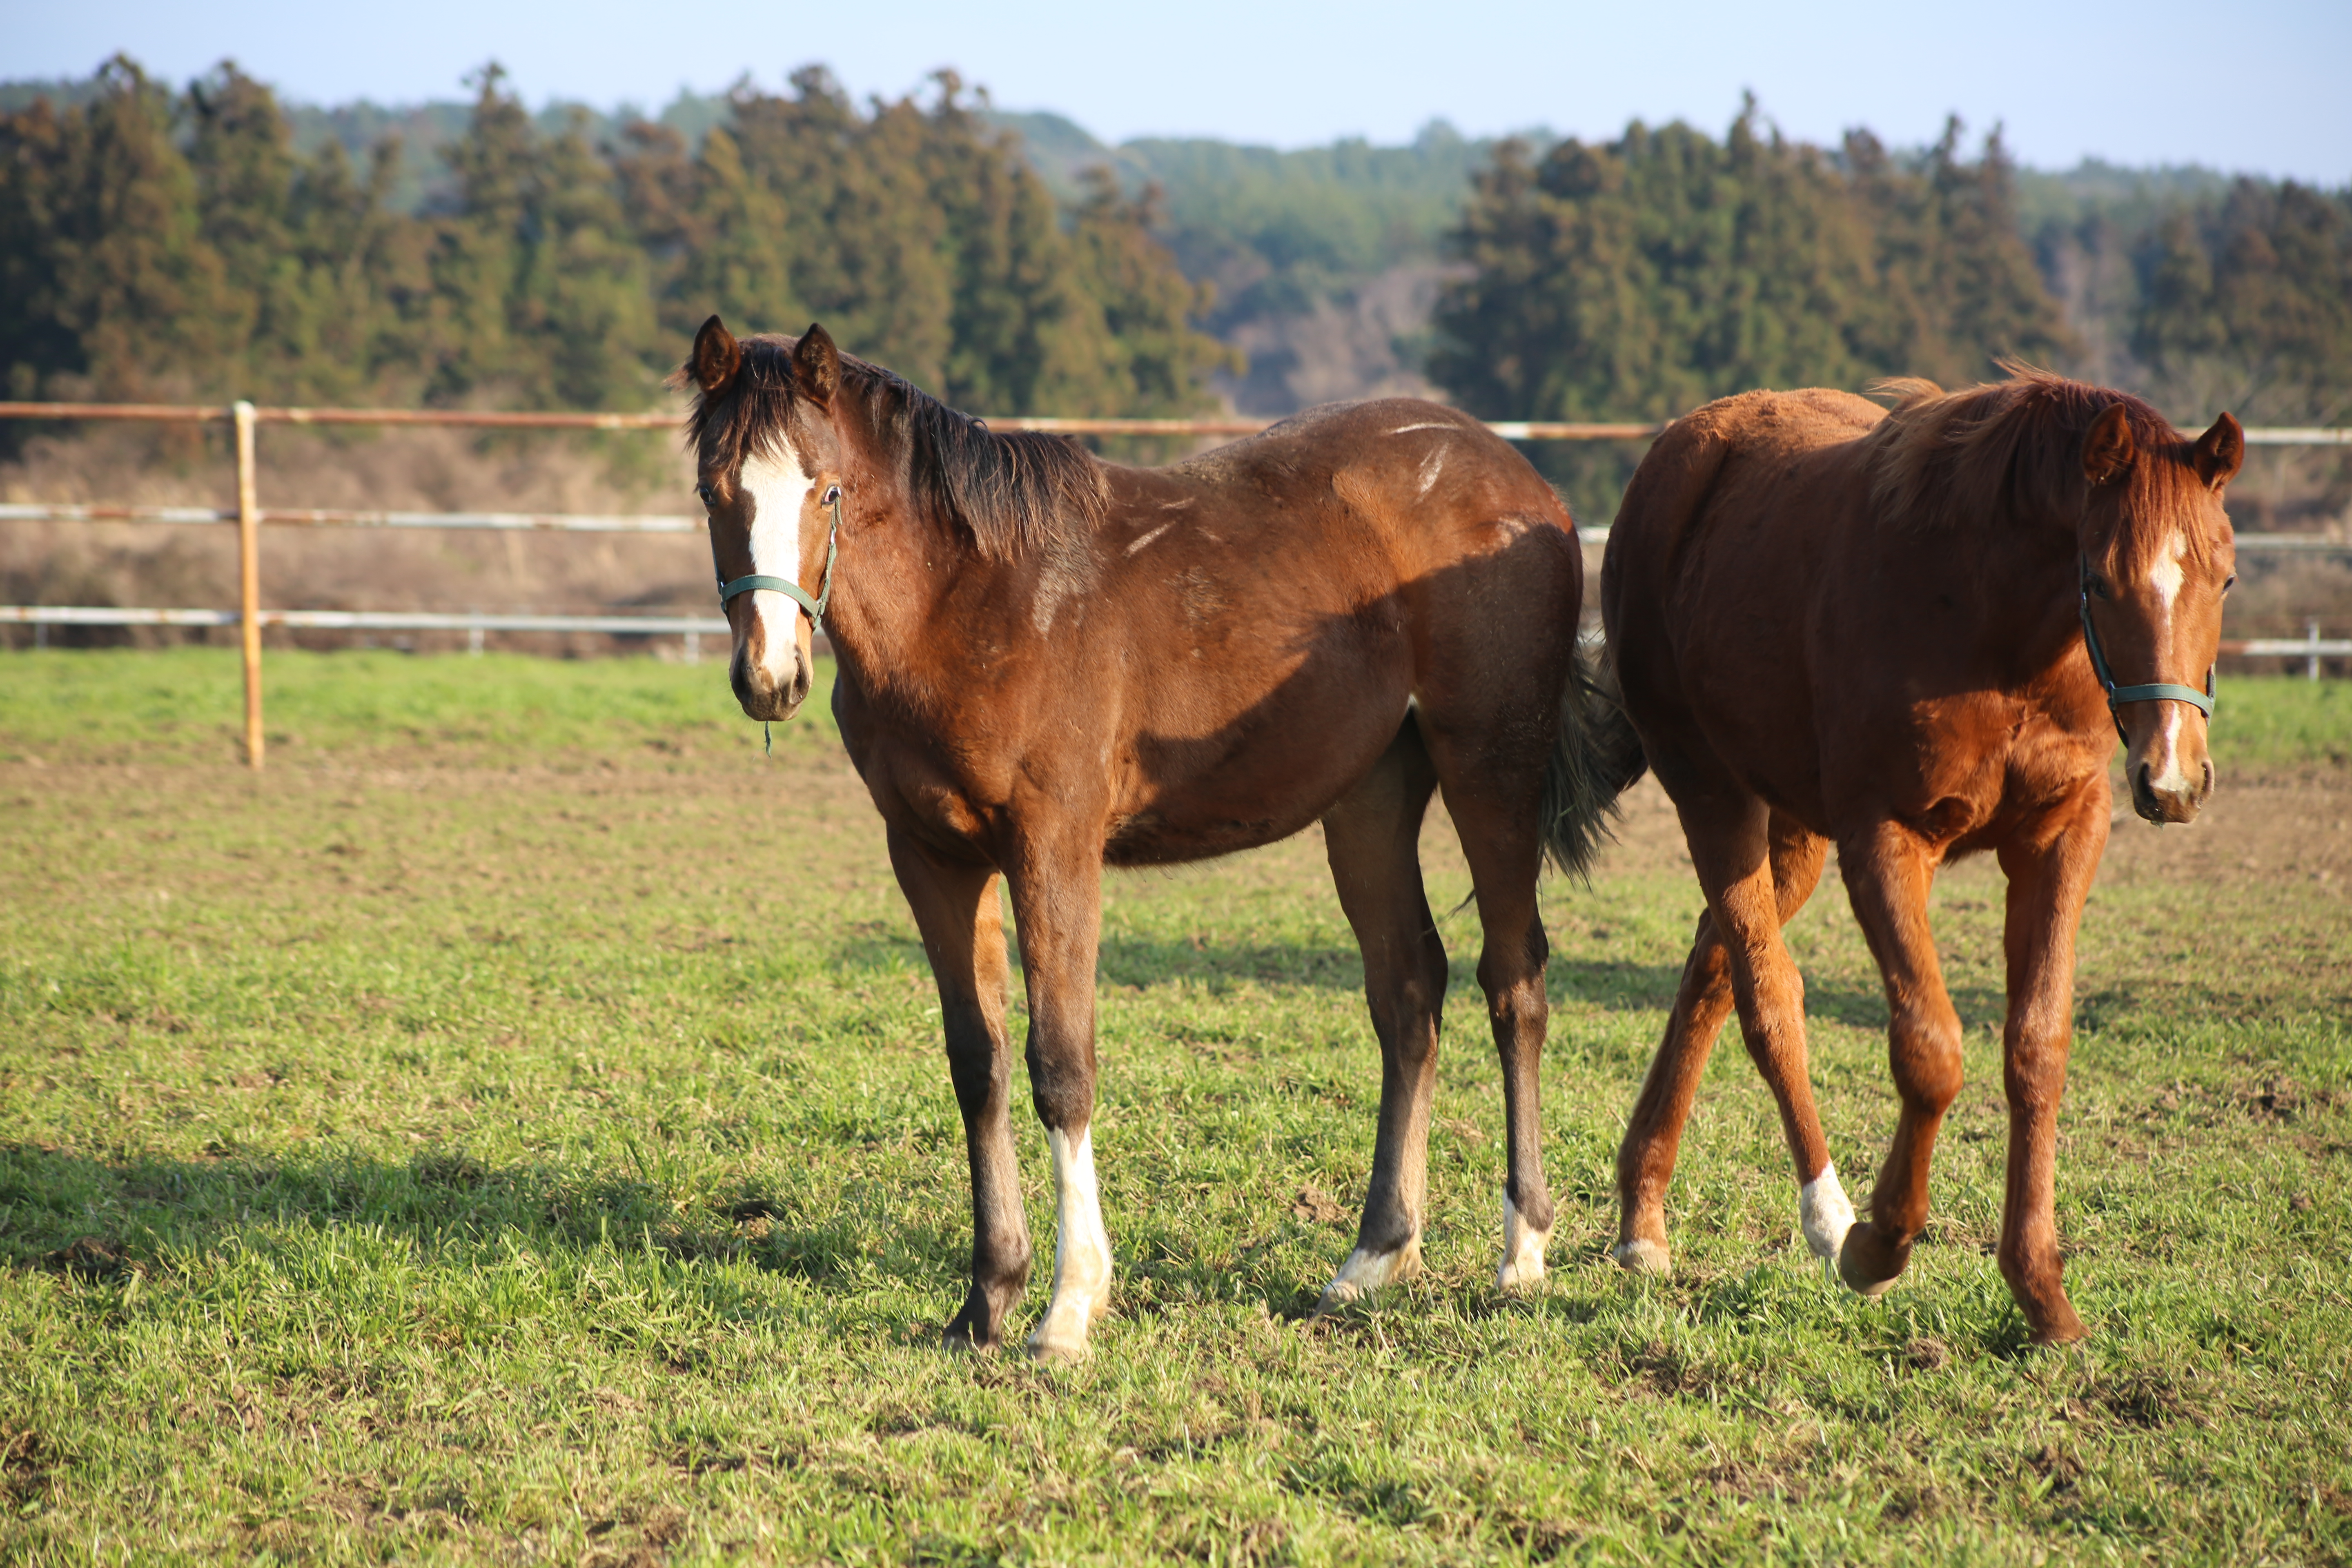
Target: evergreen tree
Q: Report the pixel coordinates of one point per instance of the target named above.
(1640, 279)
(114, 287)
(153, 246)
(1145, 358)
(2246, 303)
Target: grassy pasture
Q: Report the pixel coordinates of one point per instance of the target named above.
(513, 1129)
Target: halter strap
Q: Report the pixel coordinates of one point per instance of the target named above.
(728, 591)
(2154, 691)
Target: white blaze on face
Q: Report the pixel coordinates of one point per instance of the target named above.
(2166, 578)
(777, 487)
(2164, 774)
(2164, 756)
(1081, 1250)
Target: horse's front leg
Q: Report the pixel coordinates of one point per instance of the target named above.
(956, 909)
(1888, 872)
(2050, 874)
(1058, 904)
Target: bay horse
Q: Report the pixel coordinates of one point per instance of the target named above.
(1900, 632)
(1048, 664)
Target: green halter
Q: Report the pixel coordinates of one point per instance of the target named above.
(2119, 695)
(728, 591)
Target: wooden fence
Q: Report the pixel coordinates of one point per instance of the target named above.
(250, 516)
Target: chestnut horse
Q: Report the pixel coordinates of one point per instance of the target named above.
(1891, 631)
(1049, 664)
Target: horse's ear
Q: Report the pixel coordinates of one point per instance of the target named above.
(716, 357)
(2109, 451)
(2220, 451)
(816, 365)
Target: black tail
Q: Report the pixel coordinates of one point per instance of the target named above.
(1596, 758)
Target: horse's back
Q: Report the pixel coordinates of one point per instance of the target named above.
(1403, 469)
(1726, 448)
(1724, 537)
(1284, 603)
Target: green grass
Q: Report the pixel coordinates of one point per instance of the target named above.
(2282, 721)
(514, 1127)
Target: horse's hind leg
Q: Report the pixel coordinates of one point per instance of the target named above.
(1372, 838)
(963, 934)
(1497, 819)
(1888, 873)
(1772, 1023)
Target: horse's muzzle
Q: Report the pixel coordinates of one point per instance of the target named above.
(2178, 802)
(761, 694)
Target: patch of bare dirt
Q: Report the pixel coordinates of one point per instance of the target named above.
(91, 1258)
(1316, 1206)
(2263, 828)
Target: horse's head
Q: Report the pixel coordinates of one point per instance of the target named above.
(2156, 557)
(769, 468)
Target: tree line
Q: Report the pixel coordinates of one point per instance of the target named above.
(157, 244)
(1642, 277)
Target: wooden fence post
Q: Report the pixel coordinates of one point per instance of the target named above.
(248, 579)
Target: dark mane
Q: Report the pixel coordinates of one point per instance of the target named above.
(1012, 494)
(2011, 448)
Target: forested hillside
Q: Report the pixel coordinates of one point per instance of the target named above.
(155, 242)
(1326, 260)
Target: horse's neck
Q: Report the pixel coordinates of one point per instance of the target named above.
(2025, 584)
(886, 588)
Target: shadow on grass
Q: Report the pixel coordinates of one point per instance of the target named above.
(146, 1208)
(451, 1229)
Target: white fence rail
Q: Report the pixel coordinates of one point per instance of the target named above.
(504, 521)
(568, 522)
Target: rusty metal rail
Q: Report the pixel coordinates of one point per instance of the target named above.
(660, 419)
(657, 420)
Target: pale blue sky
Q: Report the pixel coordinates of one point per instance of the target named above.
(2259, 85)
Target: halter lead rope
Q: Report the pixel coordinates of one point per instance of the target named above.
(2119, 695)
(728, 591)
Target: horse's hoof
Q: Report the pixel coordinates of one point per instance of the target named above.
(1519, 1274)
(971, 1331)
(1643, 1255)
(1867, 1292)
(1365, 1272)
(1049, 1345)
(2059, 1326)
(1867, 1266)
(1523, 1251)
(1338, 1297)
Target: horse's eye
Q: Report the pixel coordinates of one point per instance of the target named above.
(2099, 587)
(705, 492)
(832, 494)
(2231, 582)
